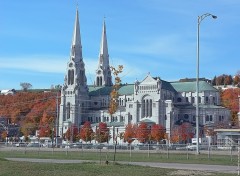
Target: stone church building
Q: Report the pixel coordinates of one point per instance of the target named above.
(151, 100)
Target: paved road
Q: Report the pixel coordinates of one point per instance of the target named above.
(199, 167)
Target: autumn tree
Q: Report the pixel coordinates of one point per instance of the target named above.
(236, 80)
(130, 133)
(46, 126)
(157, 132)
(71, 133)
(102, 133)
(4, 135)
(182, 133)
(86, 132)
(113, 105)
(143, 133)
(229, 99)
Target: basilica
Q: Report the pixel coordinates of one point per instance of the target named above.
(150, 100)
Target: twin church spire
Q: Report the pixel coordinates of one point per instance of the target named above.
(103, 73)
(76, 77)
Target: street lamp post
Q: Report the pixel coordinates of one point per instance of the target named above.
(200, 18)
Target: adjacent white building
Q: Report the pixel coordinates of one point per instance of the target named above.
(151, 100)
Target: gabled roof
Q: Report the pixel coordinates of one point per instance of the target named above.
(191, 86)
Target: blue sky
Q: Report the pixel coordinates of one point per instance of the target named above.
(156, 36)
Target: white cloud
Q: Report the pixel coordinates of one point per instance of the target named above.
(48, 64)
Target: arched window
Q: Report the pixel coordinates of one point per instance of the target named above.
(100, 81)
(207, 118)
(150, 107)
(206, 99)
(147, 108)
(97, 81)
(68, 110)
(143, 109)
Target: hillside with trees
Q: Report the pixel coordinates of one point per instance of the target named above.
(30, 110)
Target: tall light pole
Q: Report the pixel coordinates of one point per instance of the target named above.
(200, 18)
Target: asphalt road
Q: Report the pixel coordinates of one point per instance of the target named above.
(198, 167)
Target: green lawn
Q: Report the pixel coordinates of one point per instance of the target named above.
(10, 168)
(105, 155)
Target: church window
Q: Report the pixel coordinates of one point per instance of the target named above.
(143, 109)
(150, 108)
(206, 99)
(68, 110)
(199, 99)
(213, 100)
(100, 81)
(97, 81)
(194, 118)
(210, 118)
(187, 99)
(193, 100)
(207, 118)
(186, 116)
(130, 106)
(179, 99)
(147, 110)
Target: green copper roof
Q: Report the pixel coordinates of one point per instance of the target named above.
(167, 86)
(126, 89)
(191, 86)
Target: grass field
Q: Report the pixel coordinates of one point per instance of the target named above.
(11, 168)
(124, 156)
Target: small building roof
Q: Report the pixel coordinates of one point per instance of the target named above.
(191, 86)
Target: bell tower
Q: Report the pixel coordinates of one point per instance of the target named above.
(74, 93)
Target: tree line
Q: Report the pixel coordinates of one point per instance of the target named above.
(225, 79)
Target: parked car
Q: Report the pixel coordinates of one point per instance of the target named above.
(21, 144)
(34, 145)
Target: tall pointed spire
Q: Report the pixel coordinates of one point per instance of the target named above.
(103, 55)
(76, 48)
(103, 73)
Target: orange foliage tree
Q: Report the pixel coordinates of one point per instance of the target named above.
(71, 134)
(182, 133)
(113, 105)
(143, 133)
(102, 133)
(130, 133)
(4, 135)
(158, 132)
(86, 132)
(229, 99)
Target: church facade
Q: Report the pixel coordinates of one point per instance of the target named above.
(151, 100)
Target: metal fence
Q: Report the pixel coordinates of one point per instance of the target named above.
(111, 152)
